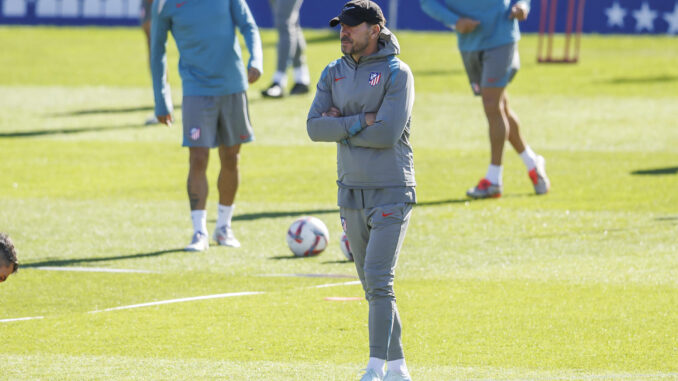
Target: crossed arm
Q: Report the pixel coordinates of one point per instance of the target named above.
(372, 129)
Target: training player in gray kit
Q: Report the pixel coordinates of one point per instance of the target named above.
(364, 103)
(291, 49)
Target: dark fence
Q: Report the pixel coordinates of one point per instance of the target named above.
(601, 16)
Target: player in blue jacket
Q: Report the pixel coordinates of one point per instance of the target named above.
(214, 105)
(487, 32)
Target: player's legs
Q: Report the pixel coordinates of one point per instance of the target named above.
(302, 77)
(229, 175)
(514, 136)
(290, 48)
(299, 58)
(535, 163)
(493, 105)
(234, 128)
(286, 20)
(200, 131)
(196, 187)
(497, 68)
(196, 184)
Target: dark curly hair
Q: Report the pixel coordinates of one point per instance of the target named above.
(7, 252)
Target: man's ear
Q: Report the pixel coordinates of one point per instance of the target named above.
(376, 30)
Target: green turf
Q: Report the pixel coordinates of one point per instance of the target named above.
(579, 284)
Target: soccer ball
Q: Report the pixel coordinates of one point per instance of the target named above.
(345, 247)
(307, 236)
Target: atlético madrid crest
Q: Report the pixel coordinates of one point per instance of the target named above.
(195, 133)
(374, 78)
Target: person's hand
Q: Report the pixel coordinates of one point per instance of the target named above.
(332, 112)
(253, 74)
(165, 119)
(465, 25)
(519, 12)
(370, 118)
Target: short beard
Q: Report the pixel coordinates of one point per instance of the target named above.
(356, 47)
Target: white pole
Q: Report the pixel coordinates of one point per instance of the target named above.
(393, 14)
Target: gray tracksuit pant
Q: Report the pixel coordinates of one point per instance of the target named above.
(291, 42)
(375, 235)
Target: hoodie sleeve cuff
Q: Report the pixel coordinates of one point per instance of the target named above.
(358, 125)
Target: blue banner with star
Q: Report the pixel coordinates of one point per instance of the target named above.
(600, 16)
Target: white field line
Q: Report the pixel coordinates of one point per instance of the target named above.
(94, 269)
(21, 319)
(336, 284)
(182, 300)
(205, 297)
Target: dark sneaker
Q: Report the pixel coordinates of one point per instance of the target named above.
(484, 189)
(298, 89)
(273, 91)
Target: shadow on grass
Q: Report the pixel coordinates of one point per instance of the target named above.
(123, 110)
(66, 131)
(335, 262)
(284, 257)
(667, 218)
(648, 79)
(298, 213)
(74, 261)
(656, 171)
(443, 202)
(435, 72)
(293, 213)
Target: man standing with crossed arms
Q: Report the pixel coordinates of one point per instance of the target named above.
(364, 103)
(487, 32)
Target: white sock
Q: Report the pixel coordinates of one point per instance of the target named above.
(397, 366)
(529, 158)
(280, 77)
(494, 174)
(224, 215)
(199, 218)
(378, 365)
(301, 75)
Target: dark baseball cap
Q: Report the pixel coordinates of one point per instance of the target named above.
(356, 12)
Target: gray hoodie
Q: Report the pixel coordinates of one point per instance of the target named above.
(368, 157)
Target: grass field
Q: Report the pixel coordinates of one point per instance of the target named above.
(581, 284)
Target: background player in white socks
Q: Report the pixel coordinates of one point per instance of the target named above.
(291, 49)
(487, 36)
(215, 108)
